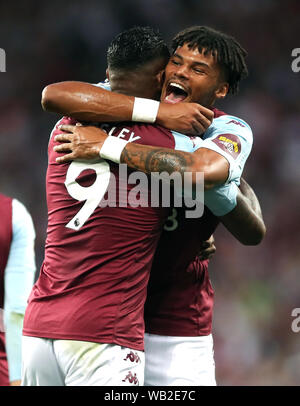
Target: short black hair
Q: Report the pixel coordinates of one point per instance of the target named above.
(135, 47)
(229, 53)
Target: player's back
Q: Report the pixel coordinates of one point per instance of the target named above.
(5, 242)
(180, 296)
(92, 284)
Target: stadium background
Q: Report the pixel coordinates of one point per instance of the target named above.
(256, 288)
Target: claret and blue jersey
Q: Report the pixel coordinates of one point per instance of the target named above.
(93, 281)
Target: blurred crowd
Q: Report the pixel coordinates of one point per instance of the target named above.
(256, 288)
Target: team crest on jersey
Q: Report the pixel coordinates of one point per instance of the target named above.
(229, 143)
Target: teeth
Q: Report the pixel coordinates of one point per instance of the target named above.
(177, 85)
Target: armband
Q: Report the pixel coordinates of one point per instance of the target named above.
(112, 149)
(144, 110)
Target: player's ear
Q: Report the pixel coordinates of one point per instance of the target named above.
(222, 90)
(107, 74)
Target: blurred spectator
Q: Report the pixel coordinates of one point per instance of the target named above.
(17, 272)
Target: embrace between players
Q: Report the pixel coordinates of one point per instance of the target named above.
(92, 309)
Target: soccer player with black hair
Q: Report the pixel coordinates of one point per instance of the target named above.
(84, 323)
(228, 52)
(183, 86)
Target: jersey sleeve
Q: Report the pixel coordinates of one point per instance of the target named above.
(18, 281)
(232, 138)
(104, 85)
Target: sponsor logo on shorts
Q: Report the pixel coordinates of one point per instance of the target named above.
(229, 143)
(133, 357)
(131, 378)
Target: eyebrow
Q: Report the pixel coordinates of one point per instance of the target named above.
(205, 65)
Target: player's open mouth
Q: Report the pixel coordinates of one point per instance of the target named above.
(175, 93)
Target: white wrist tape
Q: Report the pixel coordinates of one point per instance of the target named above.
(112, 149)
(144, 110)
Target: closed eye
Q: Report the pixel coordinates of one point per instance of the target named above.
(198, 70)
(175, 62)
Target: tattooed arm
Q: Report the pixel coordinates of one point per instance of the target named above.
(155, 159)
(244, 222)
(85, 142)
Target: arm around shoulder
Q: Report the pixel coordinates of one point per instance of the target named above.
(87, 102)
(245, 221)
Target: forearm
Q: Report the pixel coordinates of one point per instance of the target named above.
(252, 199)
(151, 159)
(245, 221)
(86, 102)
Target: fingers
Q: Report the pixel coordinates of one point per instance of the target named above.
(202, 120)
(208, 248)
(207, 253)
(65, 158)
(63, 137)
(209, 114)
(210, 241)
(197, 128)
(67, 127)
(62, 148)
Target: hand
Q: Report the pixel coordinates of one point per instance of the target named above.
(81, 142)
(208, 249)
(187, 118)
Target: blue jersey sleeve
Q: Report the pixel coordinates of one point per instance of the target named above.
(104, 85)
(232, 138)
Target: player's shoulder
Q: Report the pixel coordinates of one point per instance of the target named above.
(231, 121)
(230, 124)
(21, 215)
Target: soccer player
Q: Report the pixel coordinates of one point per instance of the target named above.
(84, 322)
(178, 304)
(17, 271)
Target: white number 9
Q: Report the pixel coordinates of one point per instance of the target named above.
(92, 194)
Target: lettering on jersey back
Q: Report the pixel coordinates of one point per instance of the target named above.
(126, 134)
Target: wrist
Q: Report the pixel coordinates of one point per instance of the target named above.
(112, 149)
(162, 113)
(145, 110)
